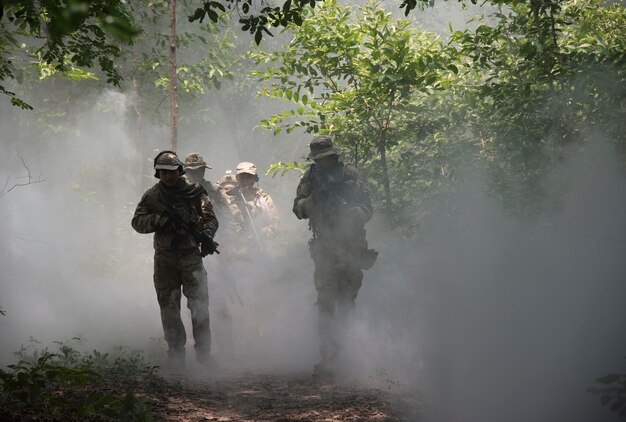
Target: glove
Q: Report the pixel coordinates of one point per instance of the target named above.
(208, 246)
(161, 220)
(301, 208)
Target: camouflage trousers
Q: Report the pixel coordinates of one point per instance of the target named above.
(338, 278)
(173, 271)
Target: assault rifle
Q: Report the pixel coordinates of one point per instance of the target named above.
(240, 198)
(187, 225)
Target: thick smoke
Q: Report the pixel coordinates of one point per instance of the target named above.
(494, 318)
(73, 266)
(486, 316)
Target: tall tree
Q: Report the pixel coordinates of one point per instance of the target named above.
(173, 80)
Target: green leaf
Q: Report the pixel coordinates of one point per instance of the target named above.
(21, 104)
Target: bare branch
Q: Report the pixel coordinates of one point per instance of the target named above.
(30, 180)
(5, 184)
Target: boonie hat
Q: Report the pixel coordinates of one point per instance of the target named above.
(195, 161)
(322, 146)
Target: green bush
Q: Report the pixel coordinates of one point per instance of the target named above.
(70, 385)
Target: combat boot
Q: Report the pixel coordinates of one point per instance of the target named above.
(176, 360)
(204, 358)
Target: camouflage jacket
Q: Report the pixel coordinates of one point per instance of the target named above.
(337, 197)
(262, 210)
(197, 207)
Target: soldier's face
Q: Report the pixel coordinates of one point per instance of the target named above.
(169, 177)
(195, 176)
(246, 181)
(228, 187)
(327, 163)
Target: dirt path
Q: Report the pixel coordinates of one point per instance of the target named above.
(280, 398)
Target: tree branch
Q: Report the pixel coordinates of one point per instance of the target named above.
(29, 178)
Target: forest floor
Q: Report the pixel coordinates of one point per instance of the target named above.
(297, 397)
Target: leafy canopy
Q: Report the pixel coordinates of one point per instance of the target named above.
(65, 35)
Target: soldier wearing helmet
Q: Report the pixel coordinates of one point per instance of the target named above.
(178, 256)
(227, 213)
(256, 206)
(335, 200)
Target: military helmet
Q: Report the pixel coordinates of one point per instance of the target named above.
(322, 146)
(228, 179)
(246, 167)
(195, 161)
(167, 160)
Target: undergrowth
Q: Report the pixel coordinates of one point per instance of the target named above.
(71, 385)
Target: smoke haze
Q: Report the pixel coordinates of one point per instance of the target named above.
(485, 316)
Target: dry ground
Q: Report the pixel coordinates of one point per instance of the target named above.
(280, 398)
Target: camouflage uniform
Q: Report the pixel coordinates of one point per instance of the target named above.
(263, 212)
(259, 205)
(178, 260)
(337, 204)
(226, 211)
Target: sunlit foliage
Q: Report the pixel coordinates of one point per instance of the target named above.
(62, 35)
(410, 109)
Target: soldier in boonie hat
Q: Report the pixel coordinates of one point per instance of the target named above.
(322, 146)
(335, 200)
(195, 161)
(195, 167)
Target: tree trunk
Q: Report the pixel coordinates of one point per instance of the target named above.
(382, 149)
(138, 132)
(236, 110)
(171, 9)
